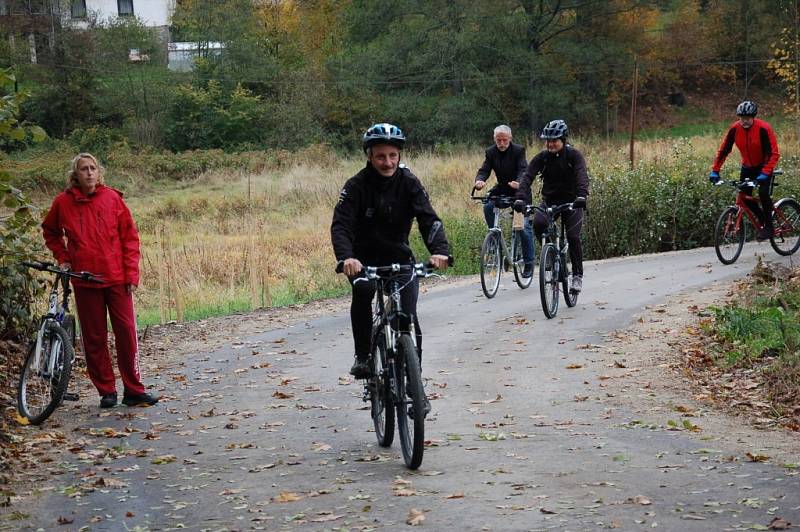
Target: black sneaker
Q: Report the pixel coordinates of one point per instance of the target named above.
(143, 399)
(360, 369)
(527, 272)
(764, 234)
(109, 400)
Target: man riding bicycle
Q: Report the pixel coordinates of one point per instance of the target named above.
(564, 179)
(759, 150)
(371, 224)
(508, 162)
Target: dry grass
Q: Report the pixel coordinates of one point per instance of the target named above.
(232, 240)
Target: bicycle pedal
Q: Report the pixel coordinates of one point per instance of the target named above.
(71, 396)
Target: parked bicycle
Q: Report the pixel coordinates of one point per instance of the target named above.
(496, 254)
(48, 365)
(394, 389)
(554, 262)
(730, 232)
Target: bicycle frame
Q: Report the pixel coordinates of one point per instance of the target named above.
(555, 232)
(499, 214)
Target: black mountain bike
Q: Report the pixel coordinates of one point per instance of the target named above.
(554, 265)
(45, 374)
(495, 253)
(394, 389)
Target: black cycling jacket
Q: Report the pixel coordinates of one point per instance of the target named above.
(373, 217)
(564, 176)
(508, 166)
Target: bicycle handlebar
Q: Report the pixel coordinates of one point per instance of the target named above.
(52, 268)
(484, 199)
(551, 210)
(420, 269)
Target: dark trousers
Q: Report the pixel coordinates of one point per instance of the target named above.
(764, 212)
(573, 221)
(361, 312)
(93, 304)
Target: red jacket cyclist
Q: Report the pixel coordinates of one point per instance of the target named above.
(759, 150)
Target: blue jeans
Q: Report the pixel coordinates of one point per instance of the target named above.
(528, 249)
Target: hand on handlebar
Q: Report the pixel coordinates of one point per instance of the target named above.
(440, 262)
(579, 203)
(479, 185)
(352, 267)
(714, 177)
(519, 205)
(65, 266)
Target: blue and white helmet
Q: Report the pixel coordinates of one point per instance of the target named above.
(383, 134)
(747, 108)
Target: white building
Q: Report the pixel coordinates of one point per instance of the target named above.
(153, 13)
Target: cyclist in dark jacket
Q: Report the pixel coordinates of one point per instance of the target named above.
(759, 150)
(508, 162)
(371, 224)
(564, 179)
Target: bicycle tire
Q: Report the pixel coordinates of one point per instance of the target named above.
(491, 258)
(38, 393)
(548, 280)
(382, 410)
(519, 261)
(410, 419)
(728, 240)
(570, 297)
(785, 237)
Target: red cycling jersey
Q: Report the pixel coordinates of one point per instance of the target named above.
(757, 145)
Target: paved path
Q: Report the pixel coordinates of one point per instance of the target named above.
(269, 431)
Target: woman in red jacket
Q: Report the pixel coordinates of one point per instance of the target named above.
(101, 238)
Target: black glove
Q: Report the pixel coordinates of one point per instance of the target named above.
(579, 203)
(519, 205)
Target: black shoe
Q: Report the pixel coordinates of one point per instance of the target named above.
(360, 369)
(109, 400)
(527, 272)
(143, 399)
(764, 234)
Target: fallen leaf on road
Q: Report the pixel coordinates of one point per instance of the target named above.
(575, 366)
(756, 457)
(164, 459)
(283, 395)
(287, 496)
(456, 495)
(779, 524)
(488, 401)
(415, 517)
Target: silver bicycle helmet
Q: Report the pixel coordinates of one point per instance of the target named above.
(383, 134)
(555, 129)
(747, 108)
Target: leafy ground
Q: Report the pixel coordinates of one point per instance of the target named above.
(670, 333)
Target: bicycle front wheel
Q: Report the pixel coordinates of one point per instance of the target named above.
(491, 258)
(786, 227)
(410, 412)
(570, 297)
(729, 236)
(381, 395)
(42, 385)
(519, 261)
(548, 280)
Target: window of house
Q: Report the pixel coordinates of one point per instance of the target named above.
(125, 8)
(78, 9)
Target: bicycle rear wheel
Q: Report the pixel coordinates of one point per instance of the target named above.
(548, 280)
(40, 391)
(786, 227)
(519, 261)
(381, 395)
(728, 238)
(491, 259)
(570, 297)
(411, 412)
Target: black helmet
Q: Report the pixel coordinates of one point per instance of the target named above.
(383, 134)
(747, 108)
(555, 129)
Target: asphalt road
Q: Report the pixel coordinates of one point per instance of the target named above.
(270, 432)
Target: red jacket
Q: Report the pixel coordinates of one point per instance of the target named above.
(100, 232)
(757, 144)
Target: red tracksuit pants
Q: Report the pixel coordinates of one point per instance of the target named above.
(93, 303)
